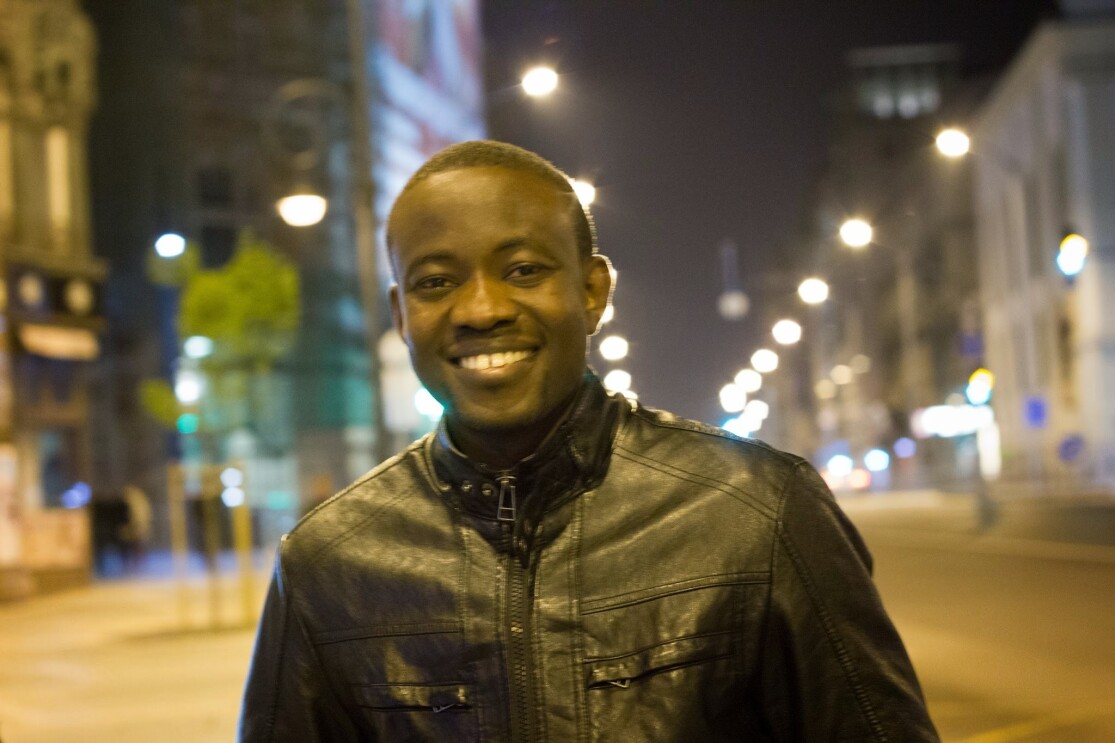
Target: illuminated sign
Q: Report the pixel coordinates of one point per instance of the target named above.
(947, 421)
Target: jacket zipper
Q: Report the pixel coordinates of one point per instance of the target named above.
(517, 615)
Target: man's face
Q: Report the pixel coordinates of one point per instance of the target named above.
(493, 298)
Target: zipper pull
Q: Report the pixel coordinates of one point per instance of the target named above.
(506, 510)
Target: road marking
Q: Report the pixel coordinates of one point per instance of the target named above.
(1045, 724)
(992, 545)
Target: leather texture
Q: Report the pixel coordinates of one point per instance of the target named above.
(640, 578)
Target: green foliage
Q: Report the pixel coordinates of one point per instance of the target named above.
(249, 307)
(158, 400)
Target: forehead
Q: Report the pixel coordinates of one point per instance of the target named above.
(478, 200)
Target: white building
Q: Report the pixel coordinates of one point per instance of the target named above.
(1044, 144)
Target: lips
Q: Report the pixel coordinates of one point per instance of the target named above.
(499, 359)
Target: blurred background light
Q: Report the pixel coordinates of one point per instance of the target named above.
(732, 398)
(302, 209)
(856, 233)
(187, 423)
(77, 495)
(876, 460)
(197, 347)
(733, 304)
(617, 380)
(1072, 254)
(540, 81)
(170, 245)
(859, 479)
(813, 290)
(840, 465)
(613, 347)
(231, 477)
(425, 404)
(825, 389)
(841, 374)
(756, 410)
(764, 360)
(188, 386)
(786, 332)
(749, 380)
(860, 363)
(905, 447)
(232, 497)
(586, 192)
(980, 385)
(953, 143)
(609, 313)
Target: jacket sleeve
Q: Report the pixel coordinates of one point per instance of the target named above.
(834, 667)
(288, 696)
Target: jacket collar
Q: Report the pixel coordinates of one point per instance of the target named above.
(573, 458)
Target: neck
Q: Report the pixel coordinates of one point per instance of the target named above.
(503, 449)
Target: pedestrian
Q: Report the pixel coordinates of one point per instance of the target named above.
(135, 532)
(554, 562)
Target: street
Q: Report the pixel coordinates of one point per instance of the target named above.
(1010, 633)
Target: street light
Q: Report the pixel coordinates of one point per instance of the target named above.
(732, 398)
(856, 233)
(540, 81)
(586, 192)
(1072, 254)
(302, 209)
(813, 290)
(749, 380)
(170, 245)
(953, 143)
(764, 360)
(617, 380)
(613, 348)
(786, 332)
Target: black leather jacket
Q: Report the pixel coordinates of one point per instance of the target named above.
(641, 578)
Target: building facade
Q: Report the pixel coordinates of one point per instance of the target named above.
(50, 294)
(1044, 146)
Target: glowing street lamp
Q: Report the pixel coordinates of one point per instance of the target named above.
(302, 209)
(953, 143)
(1072, 254)
(856, 233)
(764, 361)
(586, 192)
(540, 81)
(617, 380)
(813, 290)
(170, 245)
(732, 398)
(786, 332)
(749, 380)
(613, 347)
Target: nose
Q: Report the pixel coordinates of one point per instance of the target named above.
(482, 303)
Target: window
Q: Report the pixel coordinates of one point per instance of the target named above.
(58, 184)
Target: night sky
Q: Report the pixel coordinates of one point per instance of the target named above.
(699, 122)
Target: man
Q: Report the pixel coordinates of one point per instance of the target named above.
(555, 563)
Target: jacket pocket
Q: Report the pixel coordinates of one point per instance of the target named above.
(668, 656)
(401, 712)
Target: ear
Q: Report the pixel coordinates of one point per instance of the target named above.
(598, 274)
(396, 309)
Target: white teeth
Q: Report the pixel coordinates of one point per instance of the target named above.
(492, 360)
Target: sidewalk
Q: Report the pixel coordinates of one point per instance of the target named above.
(127, 661)
(1059, 527)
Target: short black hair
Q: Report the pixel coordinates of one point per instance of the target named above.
(490, 153)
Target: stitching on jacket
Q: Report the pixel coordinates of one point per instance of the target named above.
(580, 702)
(700, 635)
(727, 489)
(317, 555)
(322, 670)
(652, 593)
(842, 655)
(384, 630)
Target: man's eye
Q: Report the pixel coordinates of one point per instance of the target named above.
(525, 271)
(431, 283)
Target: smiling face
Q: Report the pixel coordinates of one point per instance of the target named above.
(495, 302)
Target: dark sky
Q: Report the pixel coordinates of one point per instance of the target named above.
(698, 122)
